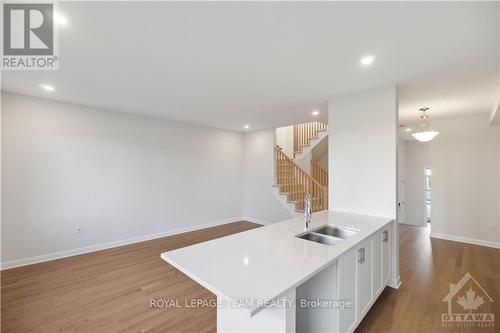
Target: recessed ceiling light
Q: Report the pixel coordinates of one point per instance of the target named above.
(47, 87)
(246, 126)
(315, 113)
(59, 19)
(367, 60)
(408, 129)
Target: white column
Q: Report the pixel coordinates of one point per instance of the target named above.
(363, 157)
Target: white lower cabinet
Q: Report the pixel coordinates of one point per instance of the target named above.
(386, 254)
(364, 277)
(358, 277)
(377, 285)
(362, 274)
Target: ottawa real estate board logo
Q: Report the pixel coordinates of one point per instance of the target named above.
(469, 305)
(30, 37)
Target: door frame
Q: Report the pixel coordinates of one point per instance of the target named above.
(425, 196)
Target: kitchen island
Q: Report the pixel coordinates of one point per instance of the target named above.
(269, 280)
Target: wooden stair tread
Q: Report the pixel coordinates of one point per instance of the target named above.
(293, 181)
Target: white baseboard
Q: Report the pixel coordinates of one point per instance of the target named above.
(253, 220)
(395, 283)
(103, 246)
(465, 240)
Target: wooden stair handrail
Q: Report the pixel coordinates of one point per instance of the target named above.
(295, 181)
(318, 173)
(298, 166)
(303, 133)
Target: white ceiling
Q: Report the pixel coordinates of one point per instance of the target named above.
(269, 64)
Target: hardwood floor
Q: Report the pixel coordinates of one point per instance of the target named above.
(111, 290)
(427, 267)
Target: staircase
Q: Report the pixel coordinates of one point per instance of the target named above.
(294, 182)
(304, 134)
(319, 174)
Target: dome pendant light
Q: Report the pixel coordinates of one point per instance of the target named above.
(424, 132)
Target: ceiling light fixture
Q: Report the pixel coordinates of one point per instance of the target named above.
(59, 19)
(408, 129)
(424, 133)
(47, 87)
(315, 113)
(367, 60)
(246, 126)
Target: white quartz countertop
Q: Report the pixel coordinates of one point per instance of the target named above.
(264, 263)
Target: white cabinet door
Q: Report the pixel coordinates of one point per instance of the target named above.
(364, 277)
(346, 268)
(377, 264)
(386, 254)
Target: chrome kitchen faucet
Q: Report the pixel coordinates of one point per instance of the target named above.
(307, 209)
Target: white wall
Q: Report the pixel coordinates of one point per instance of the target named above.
(362, 146)
(363, 157)
(495, 114)
(323, 161)
(305, 162)
(1, 172)
(259, 201)
(465, 186)
(320, 154)
(417, 158)
(401, 181)
(117, 175)
(284, 139)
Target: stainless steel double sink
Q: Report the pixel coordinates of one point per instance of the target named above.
(328, 234)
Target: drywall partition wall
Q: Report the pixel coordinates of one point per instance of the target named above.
(401, 181)
(417, 158)
(284, 139)
(259, 202)
(363, 157)
(362, 146)
(323, 161)
(305, 162)
(118, 176)
(1, 184)
(320, 154)
(465, 187)
(495, 114)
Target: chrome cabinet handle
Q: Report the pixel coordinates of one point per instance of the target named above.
(361, 255)
(386, 235)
